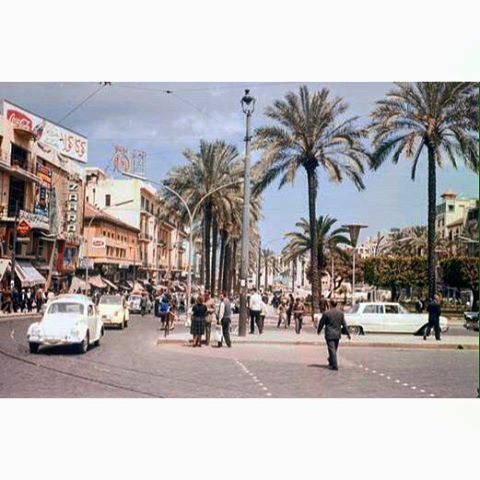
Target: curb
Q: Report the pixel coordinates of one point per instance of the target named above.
(16, 316)
(426, 346)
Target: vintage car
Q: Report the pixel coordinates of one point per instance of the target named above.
(387, 317)
(471, 320)
(134, 303)
(113, 310)
(68, 320)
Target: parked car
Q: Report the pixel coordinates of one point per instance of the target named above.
(68, 320)
(471, 320)
(113, 311)
(387, 317)
(134, 303)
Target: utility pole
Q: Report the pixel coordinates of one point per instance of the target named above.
(14, 253)
(248, 107)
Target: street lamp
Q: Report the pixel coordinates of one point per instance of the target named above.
(90, 224)
(248, 107)
(191, 216)
(354, 231)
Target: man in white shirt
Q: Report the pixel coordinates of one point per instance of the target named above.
(255, 307)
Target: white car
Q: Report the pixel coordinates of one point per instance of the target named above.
(113, 310)
(387, 317)
(68, 320)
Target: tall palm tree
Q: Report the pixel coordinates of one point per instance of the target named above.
(310, 133)
(268, 264)
(439, 118)
(215, 164)
(328, 239)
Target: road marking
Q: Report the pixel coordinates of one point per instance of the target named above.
(389, 377)
(254, 378)
(374, 371)
(405, 384)
(422, 391)
(382, 374)
(414, 387)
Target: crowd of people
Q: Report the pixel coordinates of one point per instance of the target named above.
(24, 300)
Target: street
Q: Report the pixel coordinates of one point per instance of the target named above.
(130, 363)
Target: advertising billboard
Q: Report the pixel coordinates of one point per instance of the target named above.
(48, 134)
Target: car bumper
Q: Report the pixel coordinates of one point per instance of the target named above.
(54, 340)
(112, 321)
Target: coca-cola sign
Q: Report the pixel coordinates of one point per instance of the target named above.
(19, 119)
(49, 135)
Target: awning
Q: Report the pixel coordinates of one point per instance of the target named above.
(28, 274)
(97, 282)
(78, 285)
(5, 264)
(109, 283)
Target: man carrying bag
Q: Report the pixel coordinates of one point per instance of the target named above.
(225, 318)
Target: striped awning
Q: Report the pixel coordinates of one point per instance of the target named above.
(5, 264)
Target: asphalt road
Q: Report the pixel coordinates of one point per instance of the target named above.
(129, 363)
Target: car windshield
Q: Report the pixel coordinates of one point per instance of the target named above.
(355, 308)
(66, 307)
(110, 300)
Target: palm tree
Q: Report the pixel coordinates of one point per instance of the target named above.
(309, 134)
(327, 239)
(441, 118)
(215, 164)
(268, 264)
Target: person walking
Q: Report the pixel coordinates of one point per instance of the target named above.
(197, 328)
(263, 315)
(298, 311)
(419, 306)
(210, 305)
(333, 320)
(39, 299)
(282, 312)
(255, 306)
(143, 304)
(434, 313)
(29, 300)
(225, 318)
(291, 302)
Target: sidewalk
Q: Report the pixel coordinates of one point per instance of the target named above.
(281, 336)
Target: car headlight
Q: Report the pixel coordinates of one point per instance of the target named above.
(36, 331)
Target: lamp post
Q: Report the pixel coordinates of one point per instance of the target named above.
(248, 107)
(354, 231)
(90, 224)
(191, 217)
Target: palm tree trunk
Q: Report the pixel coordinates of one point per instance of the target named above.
(222, 259)
(213, 274)
(312, 213)
(432, 200)
(265, 259)
(226, 265)
(207, 233)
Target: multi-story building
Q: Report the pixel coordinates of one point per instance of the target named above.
(161, 250)
(41, 191)
(453, 214)
(110, 245)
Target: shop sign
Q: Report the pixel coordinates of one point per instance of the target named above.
(43, 190)
(23, 228)
(85, 262)
(48, 134)
(98, 242)
(34, 219)
(72, 207)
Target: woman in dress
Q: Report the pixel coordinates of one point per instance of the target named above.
(199, 312)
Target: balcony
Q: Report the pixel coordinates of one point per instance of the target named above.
(18, 164)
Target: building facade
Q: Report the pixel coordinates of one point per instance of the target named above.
(41, 193)
(110, 245)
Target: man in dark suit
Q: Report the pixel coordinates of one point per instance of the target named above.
(333, 320)
(434, 313)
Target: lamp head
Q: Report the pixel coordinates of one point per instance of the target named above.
(248, 102)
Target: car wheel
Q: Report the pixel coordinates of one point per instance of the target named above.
(33, 347)
(97, 342)
(83, 346)
(354, 330)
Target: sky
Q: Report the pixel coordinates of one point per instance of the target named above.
(142, 116)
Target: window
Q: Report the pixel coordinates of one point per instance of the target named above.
(40, 248)
(19, 156)
(451, 208)
(108, 200)
(90, 310)
(373, 309)
(64, 307)
(142, 203)
(391, 309)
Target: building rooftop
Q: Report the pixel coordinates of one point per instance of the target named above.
(91, 211)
